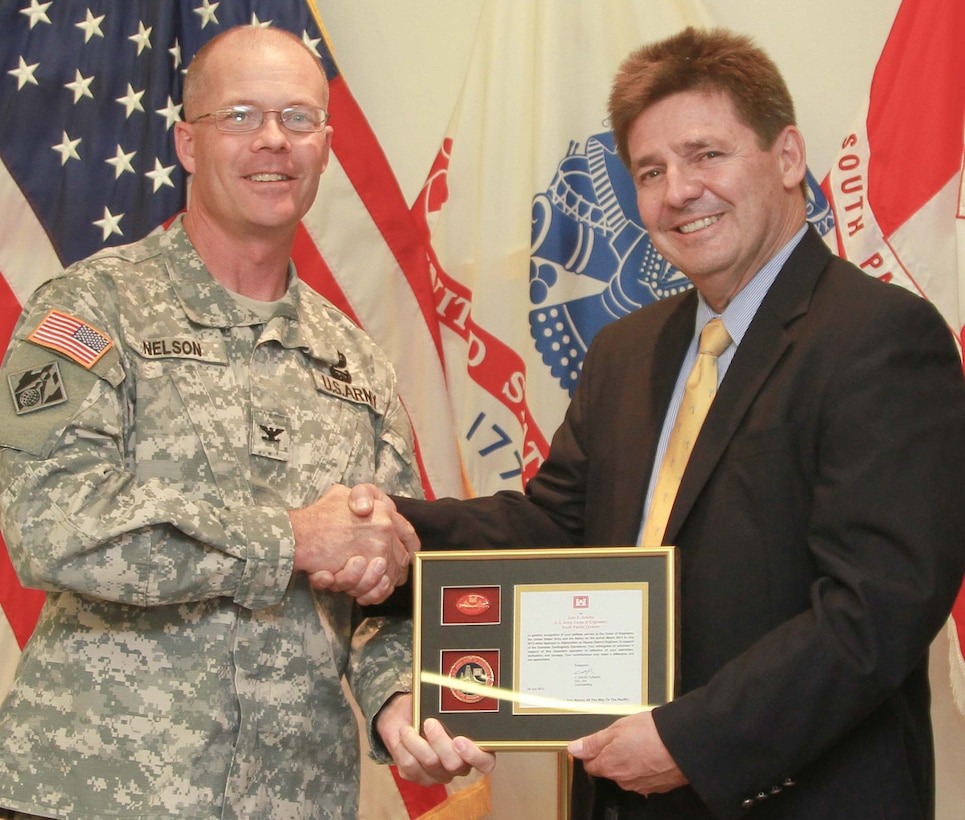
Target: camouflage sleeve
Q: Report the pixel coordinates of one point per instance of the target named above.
(75, 516)
(380, 663)
(380, 666)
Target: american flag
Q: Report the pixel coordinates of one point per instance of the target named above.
(85, 132)
(72, 337)
(89, 94)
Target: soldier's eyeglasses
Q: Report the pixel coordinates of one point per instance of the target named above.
(240, 119)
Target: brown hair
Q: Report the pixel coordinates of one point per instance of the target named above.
(694, 60)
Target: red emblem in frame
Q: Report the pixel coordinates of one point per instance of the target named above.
(470, 605)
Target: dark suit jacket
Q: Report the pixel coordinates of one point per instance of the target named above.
(820, 526)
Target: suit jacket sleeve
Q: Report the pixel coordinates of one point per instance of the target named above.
(551, 512)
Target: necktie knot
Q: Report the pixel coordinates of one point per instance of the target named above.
(714, 338)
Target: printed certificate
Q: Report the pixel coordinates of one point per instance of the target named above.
(581, 643)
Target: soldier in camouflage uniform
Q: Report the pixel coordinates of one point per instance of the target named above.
(179, 410)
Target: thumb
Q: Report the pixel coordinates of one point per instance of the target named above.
(323, 579)
(585, 748)
(362, 498)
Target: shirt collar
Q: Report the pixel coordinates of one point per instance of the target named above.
(737, 316)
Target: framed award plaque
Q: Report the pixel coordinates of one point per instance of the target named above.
(529, 649)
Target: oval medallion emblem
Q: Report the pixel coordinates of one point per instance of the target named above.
(472, 603)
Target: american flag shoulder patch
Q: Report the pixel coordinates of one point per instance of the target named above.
(73, 337)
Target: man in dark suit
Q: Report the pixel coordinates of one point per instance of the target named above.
(820, 532)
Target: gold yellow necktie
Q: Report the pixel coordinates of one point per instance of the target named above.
(698, 394)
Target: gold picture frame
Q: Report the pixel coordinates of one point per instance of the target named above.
(531, 648)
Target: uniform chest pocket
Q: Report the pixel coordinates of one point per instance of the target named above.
(305, 438)
(190, 426)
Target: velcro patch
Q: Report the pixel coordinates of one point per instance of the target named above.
(344, 390)
(200, 349)
(76, 339)
(37, 388)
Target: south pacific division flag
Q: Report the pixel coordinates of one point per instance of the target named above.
(89, 93)
(896, 187)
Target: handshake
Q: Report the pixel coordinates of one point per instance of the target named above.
(353, 541)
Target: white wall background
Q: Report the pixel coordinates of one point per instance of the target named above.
(404, 61)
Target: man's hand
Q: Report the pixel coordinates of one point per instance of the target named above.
(353, 542)
(435, 758)
(366, 581)
(631, 753)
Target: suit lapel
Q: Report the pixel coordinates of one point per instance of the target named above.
(763, 346)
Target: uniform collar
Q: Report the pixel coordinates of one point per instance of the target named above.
(204, 299)
(206, 302)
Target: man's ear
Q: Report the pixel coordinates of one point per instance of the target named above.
(184, 145)
(793, 157)
(328, 147)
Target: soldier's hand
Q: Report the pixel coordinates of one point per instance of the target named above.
(366, 580)
(435, 758)
(354, 542)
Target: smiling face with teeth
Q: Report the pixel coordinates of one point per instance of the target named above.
(717, 203)
(258, 183)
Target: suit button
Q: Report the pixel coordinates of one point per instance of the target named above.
(747, 804)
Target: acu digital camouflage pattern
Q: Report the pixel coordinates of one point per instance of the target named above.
(178, 669)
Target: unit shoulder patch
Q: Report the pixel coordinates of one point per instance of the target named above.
(37, 388)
